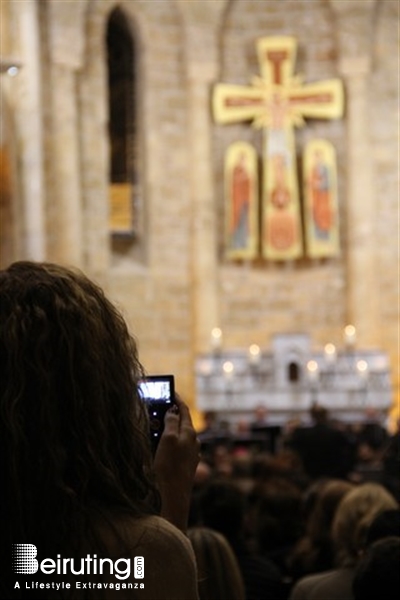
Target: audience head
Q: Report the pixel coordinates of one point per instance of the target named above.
(222, 507)
(355, 513)
(377, 573)
(277, 507)
(320, 520)
(261, 413)
(218, 571)
(314, 551)
(385, 524)
(73, 430)
(319, 414)
(209, 419)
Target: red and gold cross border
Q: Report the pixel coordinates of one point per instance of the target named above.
(277, 102)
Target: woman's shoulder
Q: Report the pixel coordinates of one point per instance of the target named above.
(154, 532)
(147, 534)
(166, 557)
(335, 583)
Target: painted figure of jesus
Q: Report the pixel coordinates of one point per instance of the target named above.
(281, 226)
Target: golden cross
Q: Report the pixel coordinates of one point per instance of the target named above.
(277, 102)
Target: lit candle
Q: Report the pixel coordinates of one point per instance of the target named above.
(254, 354)
(330, 353)
(216, 338)
(350, 336)
(228, 369)
(312, 368)
(362, 368)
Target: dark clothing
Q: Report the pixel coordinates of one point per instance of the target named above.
(391, 466)
(262, 579)
(374, 435)
(324, 451)
(270, 433)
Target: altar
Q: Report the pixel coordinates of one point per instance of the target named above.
(288, 378)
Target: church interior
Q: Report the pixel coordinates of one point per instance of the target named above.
(120, 125)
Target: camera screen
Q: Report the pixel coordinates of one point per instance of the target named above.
(158, 393)
(156, 390)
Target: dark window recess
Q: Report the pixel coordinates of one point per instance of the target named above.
(293, 372)
(121, 78)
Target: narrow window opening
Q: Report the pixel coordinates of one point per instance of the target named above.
(293, 372)
(122, 127)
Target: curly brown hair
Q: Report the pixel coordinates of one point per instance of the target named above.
(73, 433)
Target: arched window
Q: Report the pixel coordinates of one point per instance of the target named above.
(122, 126)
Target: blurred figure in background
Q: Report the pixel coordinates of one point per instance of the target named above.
(325, 451)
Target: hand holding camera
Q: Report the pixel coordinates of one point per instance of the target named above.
(175, 464)
(175, 445)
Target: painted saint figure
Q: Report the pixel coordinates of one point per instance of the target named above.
(321, 196)
(241, 191)
(321, 215)
(241, 188)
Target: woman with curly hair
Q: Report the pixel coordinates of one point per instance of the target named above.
(77, 475)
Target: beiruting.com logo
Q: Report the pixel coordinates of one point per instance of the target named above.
(24, 562)
(24, 558)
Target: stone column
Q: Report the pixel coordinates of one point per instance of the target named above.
(66, 41)
(94, 157)
(354, 27)
(204, 238)
(25, 99)
(201, 49)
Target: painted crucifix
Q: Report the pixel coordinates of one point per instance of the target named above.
(277, 102)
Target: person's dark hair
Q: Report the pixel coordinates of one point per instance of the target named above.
(73, 439)
(377, 573)
(222, 508)
(277, 505)
(319, 414)
(386, 523)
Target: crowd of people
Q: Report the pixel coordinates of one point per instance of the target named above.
(301, 518)
(292, 514)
